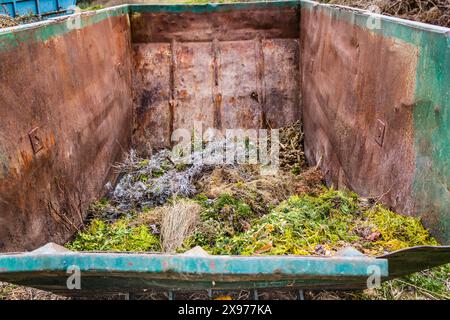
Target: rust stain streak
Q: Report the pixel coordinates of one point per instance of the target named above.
(217, 97)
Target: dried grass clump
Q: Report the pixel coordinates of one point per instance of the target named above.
(429, 11)
(7, 21)
(178, 222)
(260, 192)
(292, 157)
(14, 292)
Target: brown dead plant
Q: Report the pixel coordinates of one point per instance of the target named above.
(178, 222)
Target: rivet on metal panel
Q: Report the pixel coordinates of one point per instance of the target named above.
(311, 66)
(36, 142)
(254, 96)
(379, 132)
(120, 69)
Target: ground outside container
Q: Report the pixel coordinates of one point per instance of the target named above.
(16, 8)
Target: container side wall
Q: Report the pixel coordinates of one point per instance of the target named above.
(225, 67)
(65, 118)
(376, 109)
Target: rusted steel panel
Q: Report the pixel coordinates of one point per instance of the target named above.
(194, 80)
(223, 26)
(281, 81)
(76, 89)
(351, 95)
(237, 80)
(152, 95)
(227, 69)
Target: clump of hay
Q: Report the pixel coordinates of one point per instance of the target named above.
(260, 192)
(7, 21)
(178, 222)
(429, 11)
(292, 157)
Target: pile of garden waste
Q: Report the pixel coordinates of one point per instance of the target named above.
(159, 205)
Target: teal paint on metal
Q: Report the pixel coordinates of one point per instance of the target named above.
(213, 265)
(42, 31)
(116, 272)
(211, 7)
(432, 133)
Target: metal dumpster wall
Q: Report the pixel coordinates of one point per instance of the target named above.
(232, 66)
(73, 83)
(358, 82)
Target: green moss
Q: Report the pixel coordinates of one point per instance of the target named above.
(181, 166)
(143, 163)
(158, 173)
(202, 199)
(118, 236)
(92, 8)
(296, 170)
(222, 219)
(226, 208)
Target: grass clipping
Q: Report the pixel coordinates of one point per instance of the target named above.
(306, 225)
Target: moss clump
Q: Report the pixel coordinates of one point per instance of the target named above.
(296, 169)
(158, 173)
(233, 213)
(181, 167)
(221, 218)
(320, 224)
(117, 236)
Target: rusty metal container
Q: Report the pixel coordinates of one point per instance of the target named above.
(75, 92)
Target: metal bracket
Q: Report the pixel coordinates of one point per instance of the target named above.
(36, 142)
(379, 132)
(410, 260)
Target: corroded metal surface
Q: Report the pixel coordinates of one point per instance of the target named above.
(229, 25)
(358, 91)
(47, 267)
(232, 69)
(76, 88)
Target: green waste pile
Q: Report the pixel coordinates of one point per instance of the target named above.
(233, 210)
(160, 206)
